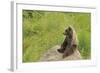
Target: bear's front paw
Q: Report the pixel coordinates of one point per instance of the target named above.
(60, 50)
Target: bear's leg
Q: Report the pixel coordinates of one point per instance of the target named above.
(63, 47)
(68, 52)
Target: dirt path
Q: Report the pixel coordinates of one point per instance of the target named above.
(53, 55)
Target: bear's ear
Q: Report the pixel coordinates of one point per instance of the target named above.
(69, 28)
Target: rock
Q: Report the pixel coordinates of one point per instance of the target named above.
(53, 55)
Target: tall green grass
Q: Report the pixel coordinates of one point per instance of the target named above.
(43, 30)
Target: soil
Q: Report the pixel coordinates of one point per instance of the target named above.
(53, 55)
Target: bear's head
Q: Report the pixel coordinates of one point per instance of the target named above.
(69, 32)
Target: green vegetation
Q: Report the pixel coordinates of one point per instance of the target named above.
(43, 30)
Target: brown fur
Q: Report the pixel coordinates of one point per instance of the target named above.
(70, 43)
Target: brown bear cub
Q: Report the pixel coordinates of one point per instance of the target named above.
(70, 43)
